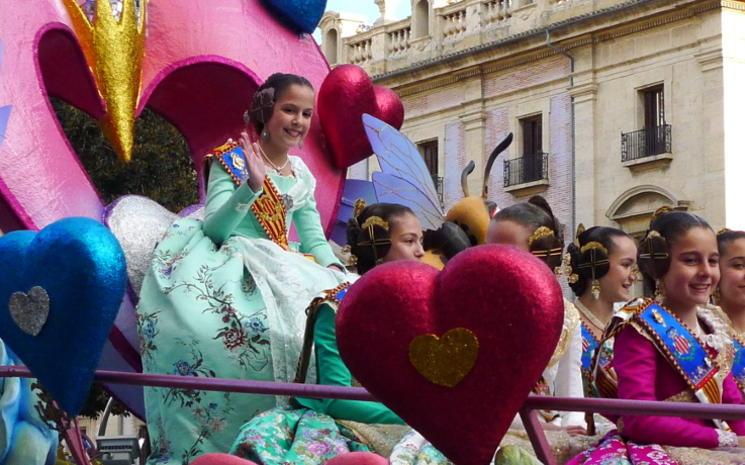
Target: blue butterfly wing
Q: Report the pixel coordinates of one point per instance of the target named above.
(353, 189)
(392, 189)
(400, 159)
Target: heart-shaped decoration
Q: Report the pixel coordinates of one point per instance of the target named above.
(447, 360)
(298, 15)
(30, 311)
(346, 94)
(505, 299)
(75, 272)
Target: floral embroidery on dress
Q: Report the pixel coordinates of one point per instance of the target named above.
(147, 328)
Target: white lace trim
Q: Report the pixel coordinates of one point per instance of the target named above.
(719, 338)
(727, 438)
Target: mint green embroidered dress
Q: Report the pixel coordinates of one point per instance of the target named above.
(311, 435)
(223, 300)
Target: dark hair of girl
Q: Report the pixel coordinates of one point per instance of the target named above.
(534, 214)
(582, 261)
(262, 102)
(666, 227)
(372, 242)
(727, 236)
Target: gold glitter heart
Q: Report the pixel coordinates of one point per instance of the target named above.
(30, 311)
(447, 360)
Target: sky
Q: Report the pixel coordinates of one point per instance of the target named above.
(367, 9)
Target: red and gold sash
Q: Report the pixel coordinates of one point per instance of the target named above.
(269, 211)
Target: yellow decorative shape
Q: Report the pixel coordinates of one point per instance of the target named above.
(114, 51)
(447, 360)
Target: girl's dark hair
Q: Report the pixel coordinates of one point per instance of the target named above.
(449, 239)
(372, 243)
(581, 261)
(726, 236)
(536, 213)
(262, 103)
(666, 227)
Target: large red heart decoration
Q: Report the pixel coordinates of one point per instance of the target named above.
(408, 333)
(345, 95)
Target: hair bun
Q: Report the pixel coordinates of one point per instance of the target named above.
(540, 202)
(654, 255)
(575, 257)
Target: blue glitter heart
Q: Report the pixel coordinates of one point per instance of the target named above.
(81, 266)
(299, 15)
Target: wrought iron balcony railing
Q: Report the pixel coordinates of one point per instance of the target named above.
(528, 168)
(646, 142)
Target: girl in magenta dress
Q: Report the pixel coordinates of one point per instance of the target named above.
(731, 295)
(673, 348)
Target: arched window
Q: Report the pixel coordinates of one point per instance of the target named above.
(330, 45)
(421, 19)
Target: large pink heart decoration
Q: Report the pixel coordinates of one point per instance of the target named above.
(454, 353)
(345, 95)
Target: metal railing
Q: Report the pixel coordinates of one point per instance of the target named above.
(646, 142)
(528, 168)
(528, 412)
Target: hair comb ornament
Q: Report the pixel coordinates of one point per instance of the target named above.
(580, 230)
(374, 242)
(359, 205)
(661, 211)
(552, 249)
(540, 233)
(262, 101)
(723, 231)
(597, 255)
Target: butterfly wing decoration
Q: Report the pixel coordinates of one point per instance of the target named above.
(404, 178)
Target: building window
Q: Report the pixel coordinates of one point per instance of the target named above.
(330, 45)
(656, 136)
(428, 150)
(532, 164)
(654, 107)
(421, 19)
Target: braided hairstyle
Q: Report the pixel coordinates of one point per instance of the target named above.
(535, 214)
(263, 100)
(585, 252)
(666, 227)
(370, 244)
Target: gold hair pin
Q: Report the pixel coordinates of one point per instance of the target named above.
(540, 233)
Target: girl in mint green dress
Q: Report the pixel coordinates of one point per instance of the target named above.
(225, 297)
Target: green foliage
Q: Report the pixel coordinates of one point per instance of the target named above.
(161, 166)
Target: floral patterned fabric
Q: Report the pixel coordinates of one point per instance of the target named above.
(233, 310)
(298, 437)
(613, 450)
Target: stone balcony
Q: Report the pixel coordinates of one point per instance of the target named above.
(433, 33)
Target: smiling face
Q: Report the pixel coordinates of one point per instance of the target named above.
(694, 269)
(732, 268)
(290, 120)
(615, 285)
(406, 239)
